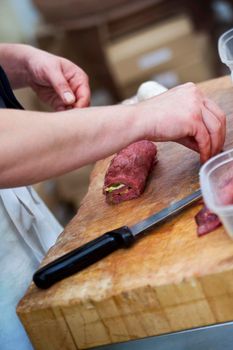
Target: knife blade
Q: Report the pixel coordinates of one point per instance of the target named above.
(93, 251)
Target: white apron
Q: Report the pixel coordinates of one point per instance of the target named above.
(27, 231)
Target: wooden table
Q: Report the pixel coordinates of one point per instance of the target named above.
(170, 280)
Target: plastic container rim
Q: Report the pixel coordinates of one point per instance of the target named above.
(221, 42)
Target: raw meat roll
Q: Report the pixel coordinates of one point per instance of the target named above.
(128, 171)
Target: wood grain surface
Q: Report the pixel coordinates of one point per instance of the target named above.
(169, 280)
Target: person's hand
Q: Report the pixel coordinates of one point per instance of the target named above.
(57, 81)
(185, 115)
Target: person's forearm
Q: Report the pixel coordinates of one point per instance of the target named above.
(13, 59)
(35, 146)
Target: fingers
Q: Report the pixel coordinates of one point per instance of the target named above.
(80, 85)
(216, 110)
(215, 121)
(203, 140)
(76, 93)
(62, 88)
(83, 96)
(214, 128)
(197, 123)
(211, 130)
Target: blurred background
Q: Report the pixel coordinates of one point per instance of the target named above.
(120, 44)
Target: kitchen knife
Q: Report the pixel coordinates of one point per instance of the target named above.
(93, 251)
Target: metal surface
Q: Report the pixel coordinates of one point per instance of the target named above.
(215, 337)
(162, 215)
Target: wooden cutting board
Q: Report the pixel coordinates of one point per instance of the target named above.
(170, 280)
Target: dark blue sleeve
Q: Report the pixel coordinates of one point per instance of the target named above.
(2, 103)
(7, 97)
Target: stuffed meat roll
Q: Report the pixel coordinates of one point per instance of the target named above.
(128, 171)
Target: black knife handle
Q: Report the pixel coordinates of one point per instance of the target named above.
(82, 257)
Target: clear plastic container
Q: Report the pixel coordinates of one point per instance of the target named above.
(225, 49)
(216, 180)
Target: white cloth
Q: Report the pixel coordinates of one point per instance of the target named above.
(27, 231)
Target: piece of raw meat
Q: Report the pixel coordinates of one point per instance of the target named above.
(128, 171)
(206, 221)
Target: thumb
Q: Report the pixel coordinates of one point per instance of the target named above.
(62, 88)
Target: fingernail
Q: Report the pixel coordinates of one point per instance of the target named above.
(69, 97)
